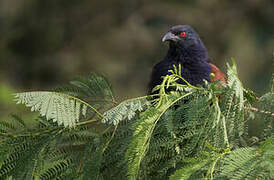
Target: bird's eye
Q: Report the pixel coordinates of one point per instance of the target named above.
(183, 34)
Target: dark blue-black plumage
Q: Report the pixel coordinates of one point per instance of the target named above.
(185, 48)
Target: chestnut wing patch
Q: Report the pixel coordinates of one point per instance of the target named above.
(218, 74)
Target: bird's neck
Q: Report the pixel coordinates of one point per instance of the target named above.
(194, 54)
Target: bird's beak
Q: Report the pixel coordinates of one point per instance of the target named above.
(169, 37)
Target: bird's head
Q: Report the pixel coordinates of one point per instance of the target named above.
(182, 35)
(184, 38)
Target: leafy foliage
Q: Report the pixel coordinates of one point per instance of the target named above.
(143, 131)
(125, 110)
(61, 108)
(183, 132)
(250, 163)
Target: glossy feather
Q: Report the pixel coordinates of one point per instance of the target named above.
(191, 53)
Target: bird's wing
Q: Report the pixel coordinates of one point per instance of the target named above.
(218, 74)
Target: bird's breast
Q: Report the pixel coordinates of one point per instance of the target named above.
(193, 73)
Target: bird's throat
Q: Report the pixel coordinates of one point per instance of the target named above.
(194, 61)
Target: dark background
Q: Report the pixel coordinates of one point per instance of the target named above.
(45, 43)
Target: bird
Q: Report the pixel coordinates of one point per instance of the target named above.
(185, 48)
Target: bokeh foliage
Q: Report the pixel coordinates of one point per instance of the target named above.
(44, 43)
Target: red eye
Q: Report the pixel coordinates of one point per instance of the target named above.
(183, 34)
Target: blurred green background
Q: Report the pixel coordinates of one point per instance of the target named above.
(45, 43)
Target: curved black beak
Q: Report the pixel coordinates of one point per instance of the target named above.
(170, 37)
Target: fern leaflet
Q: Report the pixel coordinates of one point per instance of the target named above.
(59, 107)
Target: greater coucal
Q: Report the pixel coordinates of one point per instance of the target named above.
(185, 48)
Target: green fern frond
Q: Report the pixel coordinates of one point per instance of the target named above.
(125, 110)
(233, 105)
(61, 108)
(202, 166)
(18, 121)
(92, 162)
(235, 83)
(14, 124)
(5, 127)
(143, 130)
(55, 170)
(250, 163)
(187, 171)
(96, 86)
(15, 156)
(265, 113)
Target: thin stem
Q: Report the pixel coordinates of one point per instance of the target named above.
(260, 111)
(188, 84)
(86, 122)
